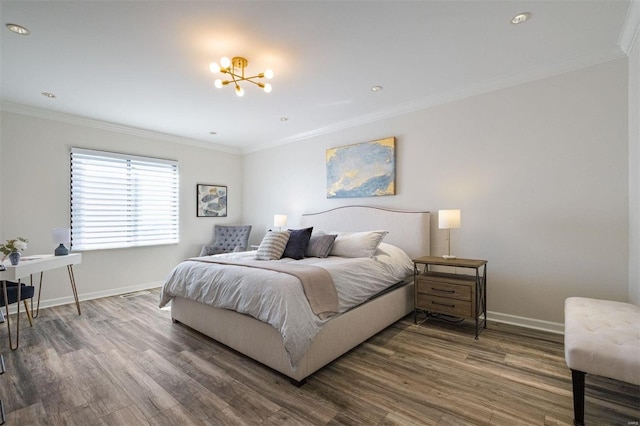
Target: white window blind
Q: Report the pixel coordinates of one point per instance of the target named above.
(120, 200)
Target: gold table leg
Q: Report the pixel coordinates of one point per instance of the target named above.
(26, 310)
(72, 280)
(35, 315)
(73, 286)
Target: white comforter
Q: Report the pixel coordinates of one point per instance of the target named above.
(277, 298)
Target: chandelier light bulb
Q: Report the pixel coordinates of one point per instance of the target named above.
(225, 62)
(218, 83)
(267, 88)
(239, 91)
(214, 67)
(268, 74)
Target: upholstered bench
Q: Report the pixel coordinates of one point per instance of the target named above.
(601, 337)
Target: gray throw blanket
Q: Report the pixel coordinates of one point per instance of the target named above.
(317, 284)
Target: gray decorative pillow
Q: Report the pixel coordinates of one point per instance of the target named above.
(272, 245)
(320, 245)
(357, 244)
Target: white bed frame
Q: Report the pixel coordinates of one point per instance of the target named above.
(263, 343)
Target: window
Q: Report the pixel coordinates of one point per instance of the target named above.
(120, 200)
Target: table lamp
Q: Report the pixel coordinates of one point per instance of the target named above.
(448, 219)
(279, 220)
(61, 237)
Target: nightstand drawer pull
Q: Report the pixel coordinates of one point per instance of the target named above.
(441, 290)
(442, 304)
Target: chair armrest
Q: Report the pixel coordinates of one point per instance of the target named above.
(206, 251)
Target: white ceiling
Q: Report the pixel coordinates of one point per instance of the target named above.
(145, 64)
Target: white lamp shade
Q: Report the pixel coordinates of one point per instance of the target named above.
(61, 236)
(448, 219)
(280, 220)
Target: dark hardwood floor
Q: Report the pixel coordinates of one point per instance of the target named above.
(123, 362)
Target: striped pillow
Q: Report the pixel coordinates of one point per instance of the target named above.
(273, 245)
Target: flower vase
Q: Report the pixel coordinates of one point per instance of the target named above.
(14, 257)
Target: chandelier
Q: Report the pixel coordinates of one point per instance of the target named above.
(234, 68)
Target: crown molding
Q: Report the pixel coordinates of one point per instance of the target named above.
(112, 127)
(572, 64)
(631, 28)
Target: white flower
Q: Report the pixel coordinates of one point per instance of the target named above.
(13, 245)
(20, 245)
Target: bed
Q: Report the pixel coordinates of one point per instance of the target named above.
(337, 335)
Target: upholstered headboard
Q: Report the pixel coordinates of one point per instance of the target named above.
(408, 230)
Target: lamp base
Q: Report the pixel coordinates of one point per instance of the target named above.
(449, 256)
(61, 250)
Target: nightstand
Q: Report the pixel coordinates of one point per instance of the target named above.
(451, 293)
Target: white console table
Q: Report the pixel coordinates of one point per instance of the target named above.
(30, 265)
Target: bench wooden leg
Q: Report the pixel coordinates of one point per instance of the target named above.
(577, 377)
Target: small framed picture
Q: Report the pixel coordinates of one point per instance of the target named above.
(212, 200)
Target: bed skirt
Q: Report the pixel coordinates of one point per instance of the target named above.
(263, 343)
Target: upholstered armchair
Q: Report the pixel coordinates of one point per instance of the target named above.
(227, 238)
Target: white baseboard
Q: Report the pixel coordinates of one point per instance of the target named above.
(87, 296)
(100, 294)
(536, 324)
(552, 327)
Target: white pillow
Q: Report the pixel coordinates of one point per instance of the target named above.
(357, 244)
(395, 260)
(273, 245)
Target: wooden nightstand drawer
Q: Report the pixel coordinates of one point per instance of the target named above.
(445, 289)
(445, 305)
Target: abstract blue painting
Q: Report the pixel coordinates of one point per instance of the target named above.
(362, 170)
(212, 201)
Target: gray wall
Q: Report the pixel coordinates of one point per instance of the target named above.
(539, 170)
(34, 182)
(543, 173)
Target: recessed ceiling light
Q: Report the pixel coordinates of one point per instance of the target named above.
(376, 88)
(283, 119)
(18, 29)
(520, 18)
(48, 95)
(213, 133)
